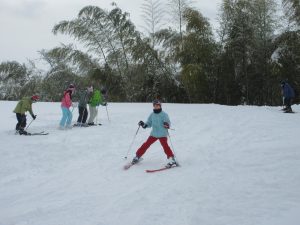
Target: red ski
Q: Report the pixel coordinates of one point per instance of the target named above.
(161, 169)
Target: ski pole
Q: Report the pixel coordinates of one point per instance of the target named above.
(173, 148)
(132, 141)
(107, 113)
(29, 124)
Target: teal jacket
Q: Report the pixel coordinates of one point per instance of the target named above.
(156, 121)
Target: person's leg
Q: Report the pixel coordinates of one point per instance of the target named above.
(19, 118)
(80, 117)
(23, 125)
(166, 147)
(69, 117)
(92, 114)
(288, 105)
(64, 117)
(85, 115)
(23, 121)
(94, 111)
(141, 151)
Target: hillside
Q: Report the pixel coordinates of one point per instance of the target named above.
(240, 166)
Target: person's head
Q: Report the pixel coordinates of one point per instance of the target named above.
(71, 88)
(156, 106)
(282, 83)
(103, 91)
(35, 98)
(90, 89)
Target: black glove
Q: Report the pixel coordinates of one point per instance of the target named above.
(142, 124)
(33, 116)
(166, 125)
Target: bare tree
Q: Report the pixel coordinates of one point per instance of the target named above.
(153, 16)
(177, 8)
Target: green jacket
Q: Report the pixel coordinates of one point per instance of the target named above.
(24, 105)
(96, 99)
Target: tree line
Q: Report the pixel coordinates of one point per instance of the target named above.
(184, 61)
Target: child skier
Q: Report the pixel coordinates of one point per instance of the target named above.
(95, 101)
(160, 123)
(66, 103)
(23, 106)
(84, 97)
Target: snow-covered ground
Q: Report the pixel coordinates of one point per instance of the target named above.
(240, 166)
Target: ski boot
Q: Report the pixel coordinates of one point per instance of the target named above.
(171, 162)
(23, 132)
(288, 110)
(135, 160)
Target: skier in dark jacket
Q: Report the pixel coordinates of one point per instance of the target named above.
(84, 97)
(160, 123)
(288, 95)
(22, 107)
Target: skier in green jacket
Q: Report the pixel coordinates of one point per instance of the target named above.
(95, 100)
(22, 107)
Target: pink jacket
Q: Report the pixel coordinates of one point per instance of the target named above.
(66, 100)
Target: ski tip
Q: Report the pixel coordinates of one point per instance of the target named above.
(126, 167)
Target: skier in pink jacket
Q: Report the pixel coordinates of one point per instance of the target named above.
(66, 103)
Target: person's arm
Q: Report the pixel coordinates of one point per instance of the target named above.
(167, 122)
(149, 121)
(147, 124)
(68, 100)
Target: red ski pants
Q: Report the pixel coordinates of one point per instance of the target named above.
(150, 141)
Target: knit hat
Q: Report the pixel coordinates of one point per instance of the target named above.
(71, 87)
(156, 102)
(35, 98)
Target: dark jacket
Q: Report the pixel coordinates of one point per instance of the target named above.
(84, 97)
(288, 91)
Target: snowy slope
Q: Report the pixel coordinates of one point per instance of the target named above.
(240, 166)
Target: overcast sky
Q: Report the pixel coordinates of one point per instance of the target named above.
(26, 25)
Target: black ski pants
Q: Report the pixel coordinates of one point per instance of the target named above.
(288, 102)
(83, 114)
(21, 121)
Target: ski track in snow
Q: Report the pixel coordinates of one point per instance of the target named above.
(240, 166)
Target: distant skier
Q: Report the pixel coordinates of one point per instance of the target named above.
(66, 103)
(160, 123)
(84, 97)
(95, 100)
(288, 95)
(23, 106)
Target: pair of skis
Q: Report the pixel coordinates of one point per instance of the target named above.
(129, 165)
